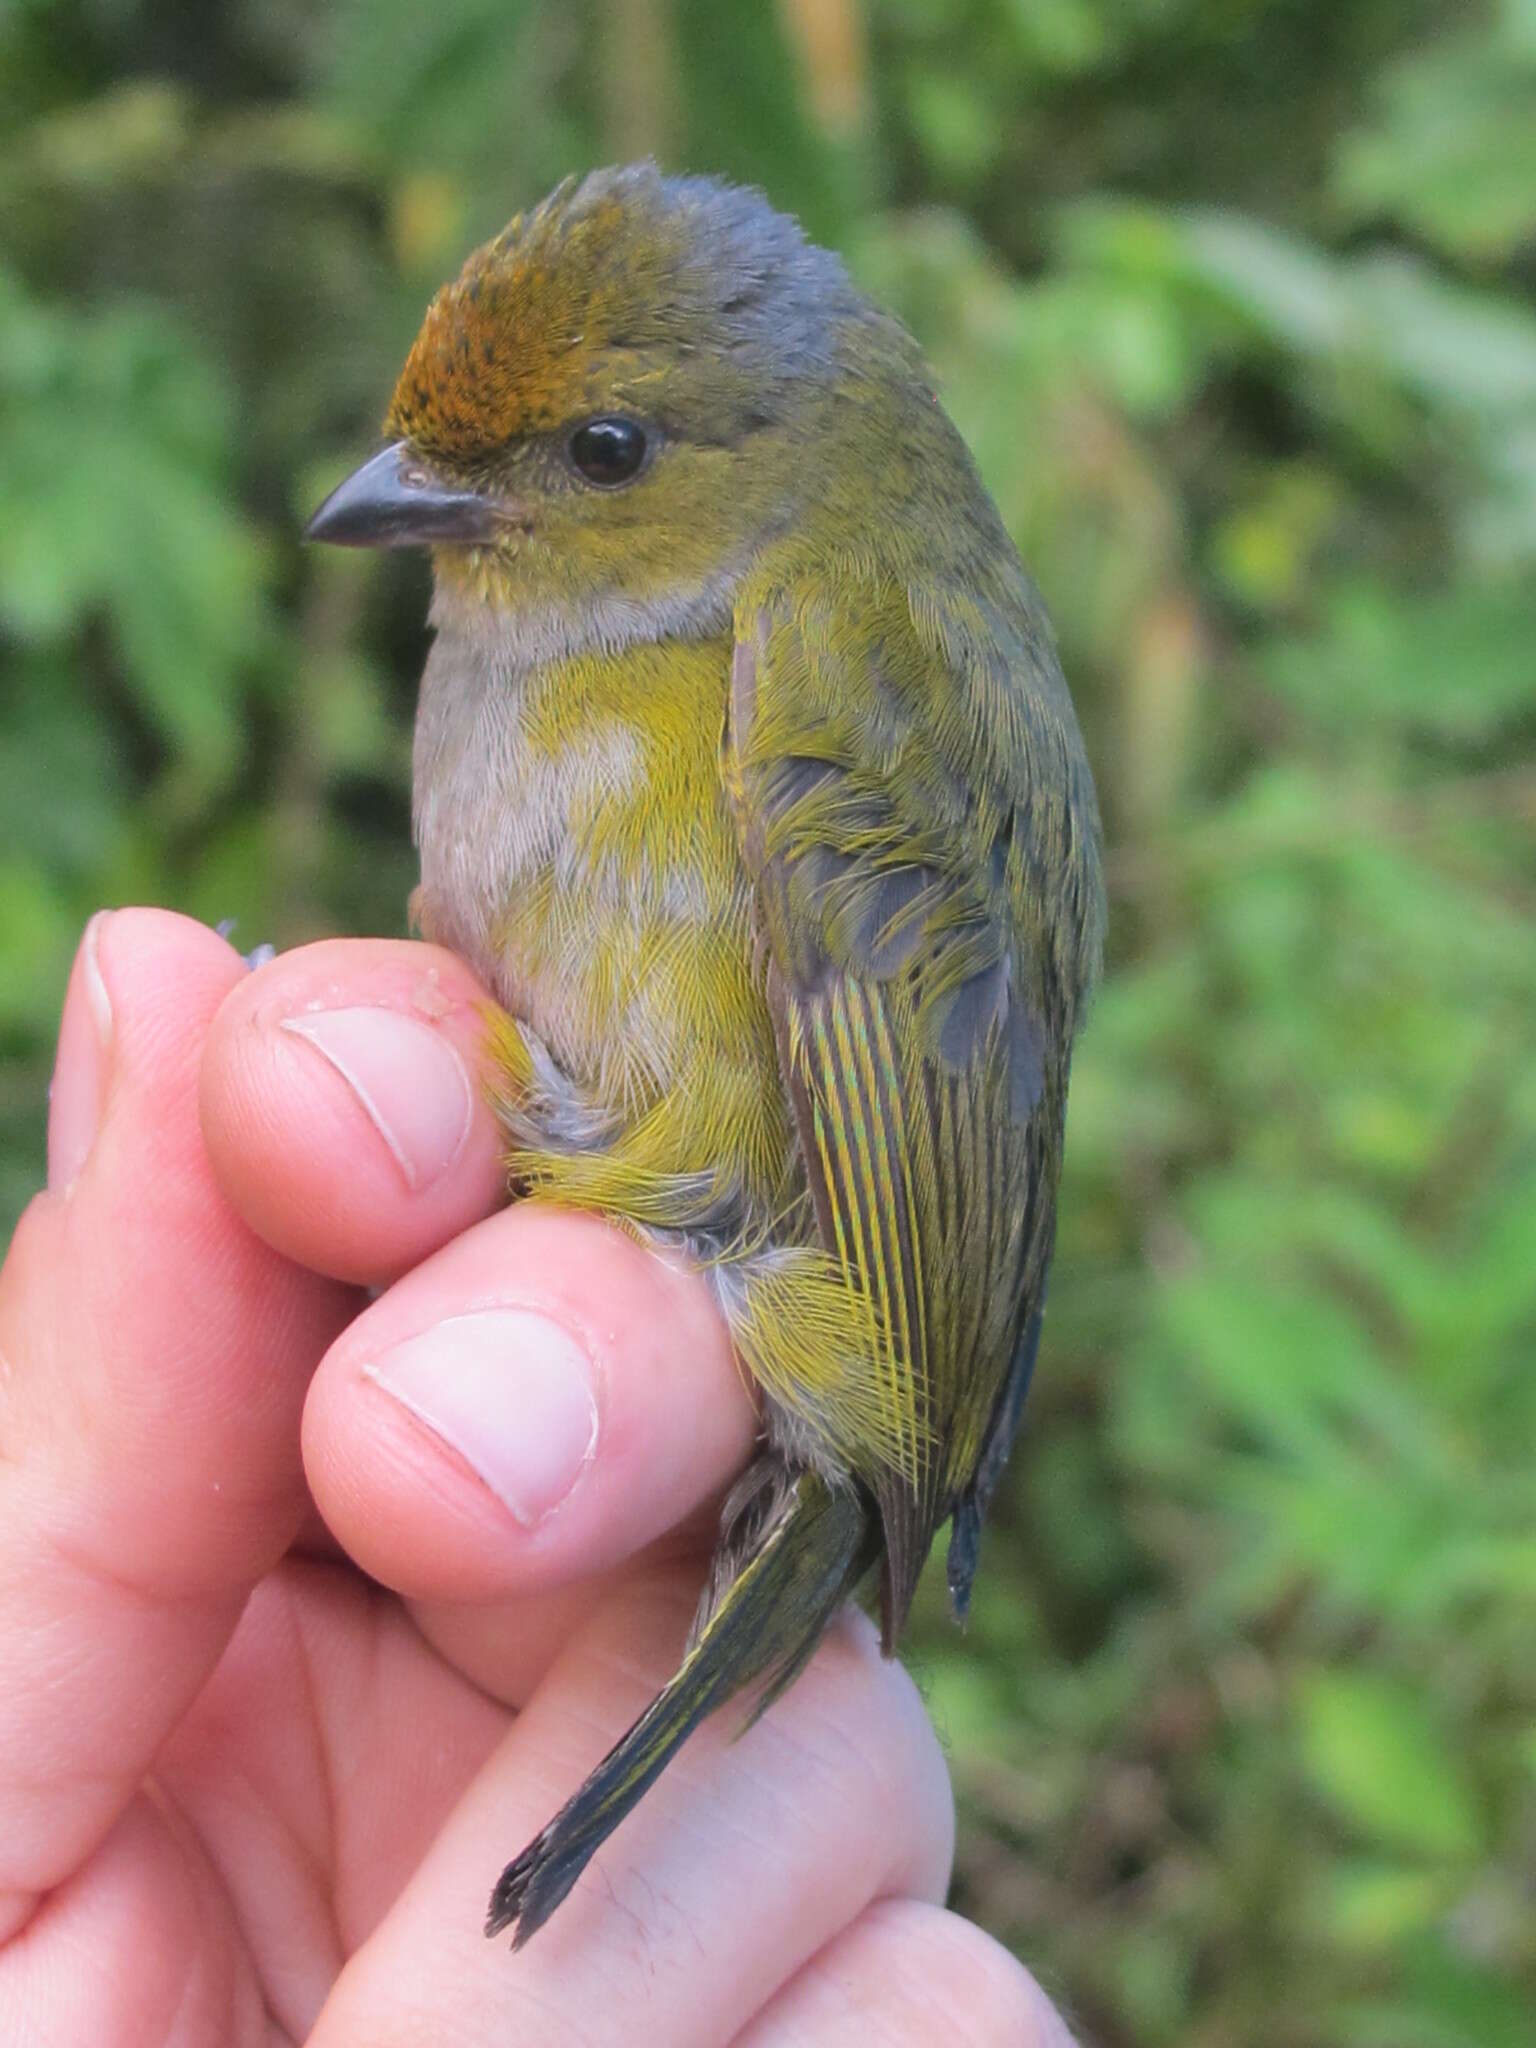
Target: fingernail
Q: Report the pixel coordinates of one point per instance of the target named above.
(408, 1078)
(79, 1086)
(511, 1392)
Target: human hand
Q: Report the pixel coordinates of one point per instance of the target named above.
(247, 1794)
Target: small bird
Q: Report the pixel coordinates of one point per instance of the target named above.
(746, 777)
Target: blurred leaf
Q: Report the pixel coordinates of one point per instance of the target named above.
(110, 502)
(1373, 1751)
(743, 113)
(463, 92)
(1457, 666)
(1451, 150)
(1446, 2001)
(960, 136)
(39, 935)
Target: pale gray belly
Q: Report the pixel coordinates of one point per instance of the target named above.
(493, 815)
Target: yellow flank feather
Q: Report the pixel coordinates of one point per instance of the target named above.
(818, 1347)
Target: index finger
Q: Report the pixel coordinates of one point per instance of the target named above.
(343, 1104)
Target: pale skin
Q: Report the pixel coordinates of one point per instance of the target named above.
(286, 1679)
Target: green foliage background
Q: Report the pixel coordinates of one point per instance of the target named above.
(1233, 299)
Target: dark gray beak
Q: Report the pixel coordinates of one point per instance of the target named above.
(394, 501)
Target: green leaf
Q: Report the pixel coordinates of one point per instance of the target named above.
(1457, 665)
(113, 503)
(1375, 1753)
(1450, 148)
(1374, 1906)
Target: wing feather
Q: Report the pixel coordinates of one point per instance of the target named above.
(895, 877)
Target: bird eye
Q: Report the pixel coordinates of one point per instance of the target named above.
(608, 451)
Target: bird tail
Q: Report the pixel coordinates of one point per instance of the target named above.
(791, 1551)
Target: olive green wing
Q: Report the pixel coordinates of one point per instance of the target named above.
(900, 833)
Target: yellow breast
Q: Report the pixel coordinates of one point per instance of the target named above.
(614, 922)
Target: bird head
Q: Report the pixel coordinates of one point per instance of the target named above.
(621, 395)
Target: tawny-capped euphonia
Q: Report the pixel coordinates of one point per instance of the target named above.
(746, 776)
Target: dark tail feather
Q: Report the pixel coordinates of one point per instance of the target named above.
(965, 1531)
(793, 1548)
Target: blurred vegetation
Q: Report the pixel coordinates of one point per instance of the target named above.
(1233, 299)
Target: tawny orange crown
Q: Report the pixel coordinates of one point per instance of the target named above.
(625, 288)
(511, 345)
